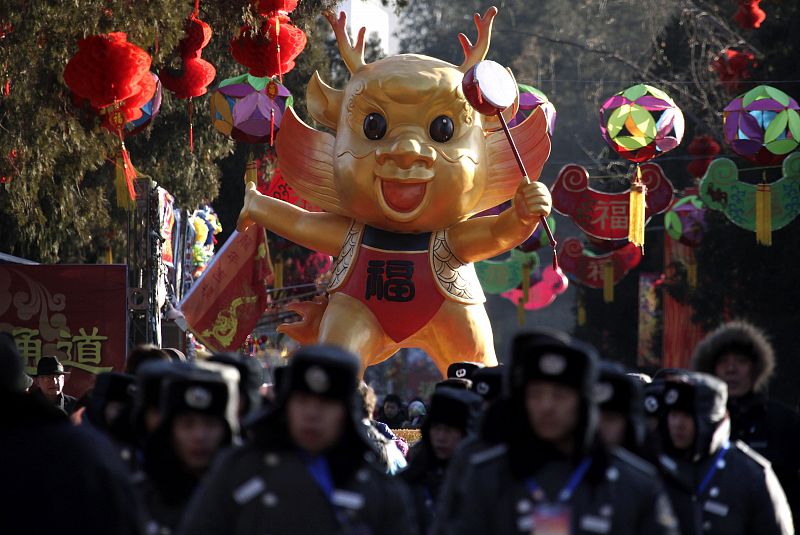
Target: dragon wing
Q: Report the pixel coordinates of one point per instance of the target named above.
(305, 157)
(533, 144)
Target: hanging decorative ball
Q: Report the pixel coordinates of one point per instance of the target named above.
(749, 16)
(685, 221)
(531, 98)
(703, 149)
(149, 112)
(249, 109)
(762, 125)
(641, 123)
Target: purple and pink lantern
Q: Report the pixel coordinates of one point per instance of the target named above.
(249, 109)
(685, 221)
(762, 125)
(531, 98)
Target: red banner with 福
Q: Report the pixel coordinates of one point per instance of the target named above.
(77, 313)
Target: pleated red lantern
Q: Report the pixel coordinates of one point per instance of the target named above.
(114, 76)
(272, 50)
(749, 15)
(266, 8)
(195, 74)
(732, 66)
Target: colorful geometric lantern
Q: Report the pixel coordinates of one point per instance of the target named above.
(249, 109)
(641, 123)
(762, 125)
(531, 98)
(760, 208)
(685, 221)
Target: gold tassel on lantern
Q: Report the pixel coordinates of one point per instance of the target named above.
(251, 171)
(526, 282)
(691, 272)
(636, 212)
(581, 312)
(608, 282)
(108, 258)
(764, 214)
(521, 312)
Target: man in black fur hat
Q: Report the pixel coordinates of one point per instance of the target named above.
(549, 471)
(740, 354)
(453, 416)
(715, 486)
(310, 468)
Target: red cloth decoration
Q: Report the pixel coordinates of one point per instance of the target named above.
(107, 69)
(733, 66)
(587, 268)
(704, 149)
(605, 215)
(266, 8)
(750, 15)
(259, 51)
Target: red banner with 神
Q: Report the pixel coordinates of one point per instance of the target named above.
(225, 304)
(76, 312)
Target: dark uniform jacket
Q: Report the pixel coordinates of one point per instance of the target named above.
(257, 491)
(716, 490)
(772, 430)
(627, 499)
(743, 496)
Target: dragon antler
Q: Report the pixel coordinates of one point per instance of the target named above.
(476, 53)
(353, 56)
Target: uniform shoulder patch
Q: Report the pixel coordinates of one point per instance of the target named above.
(753, 454)
(488, 454)
(634, 461)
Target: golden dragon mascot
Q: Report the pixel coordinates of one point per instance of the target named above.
(410, 164)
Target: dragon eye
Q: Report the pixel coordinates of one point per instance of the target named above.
(441, 129)
(374, 126)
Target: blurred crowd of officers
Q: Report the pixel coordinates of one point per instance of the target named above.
(554, 442)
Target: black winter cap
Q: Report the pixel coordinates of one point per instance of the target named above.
(463, 370)
(323, 370)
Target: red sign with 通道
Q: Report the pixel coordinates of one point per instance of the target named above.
(76, 312)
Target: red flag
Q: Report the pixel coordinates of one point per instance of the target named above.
(227, 301)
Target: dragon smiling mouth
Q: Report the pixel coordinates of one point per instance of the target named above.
(403, 196)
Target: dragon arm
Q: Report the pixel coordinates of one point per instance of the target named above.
(319, 231)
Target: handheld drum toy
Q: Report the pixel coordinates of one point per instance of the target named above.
(491, 90)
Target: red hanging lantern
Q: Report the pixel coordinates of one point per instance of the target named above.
(704, 149)
(750, 15)
(195, 74)
(272, 50)
(114, 76)
(733, 66)
(266, 8)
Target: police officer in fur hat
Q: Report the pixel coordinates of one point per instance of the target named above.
(714, 485)
(550, 472)
(309, 468)
(741, 355)
(619, 398)
(197, 421)
(453, 416)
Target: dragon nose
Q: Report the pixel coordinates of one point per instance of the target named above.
(406, 152)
